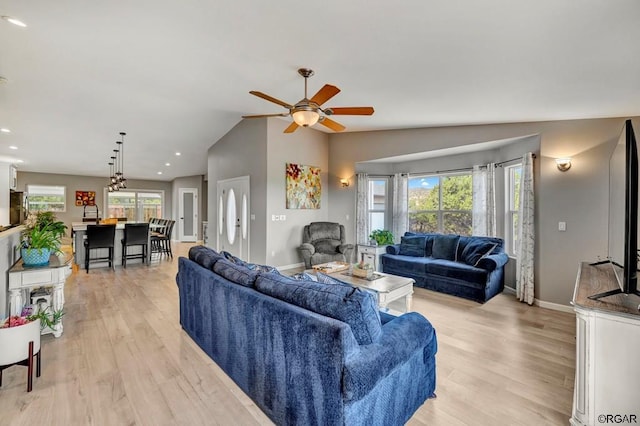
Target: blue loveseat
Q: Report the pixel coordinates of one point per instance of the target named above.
(469, 267)
(307, 353)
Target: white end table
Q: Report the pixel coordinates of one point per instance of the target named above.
(371, 255)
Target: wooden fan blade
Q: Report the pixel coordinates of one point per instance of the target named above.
(292, 127)
(327, 92)
(333, 125)
(284, 114)
(351, 111)
(271, 99)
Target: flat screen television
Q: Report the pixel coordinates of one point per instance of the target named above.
(623, 215)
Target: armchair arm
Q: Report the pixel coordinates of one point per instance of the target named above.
(344, 248)
(493, 262)
(401, 338)
(306, 247)
(393, 249)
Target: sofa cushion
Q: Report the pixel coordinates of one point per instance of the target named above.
(409, 264)
(237, 273)
(414, 245)
(231, 258)
(324, 230)
(303, 276)
(476, 250)
(445, 247)
(261, 268)
(326, 279)
(348, 304)
(204, 256)
(326, 246)
(475, 277)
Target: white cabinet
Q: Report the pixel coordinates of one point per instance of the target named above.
(607, 351)
(371, 255)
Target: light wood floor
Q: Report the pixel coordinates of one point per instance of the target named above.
(123, 359)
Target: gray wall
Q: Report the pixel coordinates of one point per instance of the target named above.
(75, 183)
(188, 182)
(304, 146)
(242, 152)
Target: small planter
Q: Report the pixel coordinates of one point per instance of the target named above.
(35, 257)
(18, 345)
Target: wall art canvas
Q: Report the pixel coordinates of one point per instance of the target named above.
(304, 188)
(85, 198)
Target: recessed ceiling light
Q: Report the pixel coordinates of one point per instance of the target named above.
(19, 161)
(177, 153)
(14, 21)
(3, 130)
(13, 147)
(159, 173)
(167, 164)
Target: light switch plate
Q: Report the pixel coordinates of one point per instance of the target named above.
(562, 226)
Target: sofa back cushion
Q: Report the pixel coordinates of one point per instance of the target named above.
(345, 303)
(445, 247)
(237, 273)
(465, 240)
(428, 240)
(475, 250)
(204, 256)
(413, 245)
(324, 231)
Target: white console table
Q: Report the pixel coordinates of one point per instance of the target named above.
(371, 255)
(607, 351)
(22, 279)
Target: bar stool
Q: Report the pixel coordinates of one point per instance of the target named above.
(99, 237)
(135, 234)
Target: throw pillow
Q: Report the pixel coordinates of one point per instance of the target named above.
(326, 279)
(234, 272)
(445, 247)
(476, 250)
(261, 268)
(303, 276)
(231, 258)
(204, 256)
(414, 245)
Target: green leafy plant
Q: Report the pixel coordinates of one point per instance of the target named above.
(47, 319)
(39, 238)
(48, 220)
(381, 236)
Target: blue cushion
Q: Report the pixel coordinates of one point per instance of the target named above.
(261, 268)
(304, 276)
(474, 277)
(236, 273)
(409, 264)
(476, 250)
(414, 245)
(231, 258)
(326, 279)
(348, 304)
(204, 256)
(445, 247)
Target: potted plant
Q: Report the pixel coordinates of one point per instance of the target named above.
(41, 238)
(382, 237)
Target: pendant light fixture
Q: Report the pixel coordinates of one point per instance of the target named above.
(117, 181)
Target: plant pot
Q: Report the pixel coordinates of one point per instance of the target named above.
(35, 257)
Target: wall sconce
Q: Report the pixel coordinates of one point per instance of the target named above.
(344, 182)
(563, 164)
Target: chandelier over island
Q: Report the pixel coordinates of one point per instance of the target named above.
(117, 181)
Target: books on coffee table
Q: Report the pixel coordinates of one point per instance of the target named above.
(331, 267)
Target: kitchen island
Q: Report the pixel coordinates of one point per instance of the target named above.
(79, 232)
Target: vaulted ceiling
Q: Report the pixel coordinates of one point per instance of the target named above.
(175, 75)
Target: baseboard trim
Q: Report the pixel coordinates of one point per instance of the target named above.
(292, 266)
(543, 304)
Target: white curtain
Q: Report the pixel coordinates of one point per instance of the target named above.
(362, 209)
(484, 200)
(526, 233)
(400, 206)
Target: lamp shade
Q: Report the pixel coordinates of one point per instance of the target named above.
(305, 118)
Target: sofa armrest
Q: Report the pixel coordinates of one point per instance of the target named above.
(493, 262)
(401, 338)
(393, 249)
(345, 248)
(309, 248)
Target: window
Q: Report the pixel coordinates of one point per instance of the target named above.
(513, 175)
(139, 206)
(46, 198)
(378, 203)
(441, 203)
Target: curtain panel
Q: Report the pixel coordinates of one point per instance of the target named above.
(362, 208)
(400, 206)
(526, 233)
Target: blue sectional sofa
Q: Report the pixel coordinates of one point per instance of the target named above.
(306, 352)
(469, 267)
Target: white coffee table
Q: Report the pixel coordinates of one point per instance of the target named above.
(394, 293)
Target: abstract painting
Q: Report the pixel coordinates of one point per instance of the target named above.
(304, 188)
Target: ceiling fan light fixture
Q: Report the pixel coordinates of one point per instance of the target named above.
(305, 117)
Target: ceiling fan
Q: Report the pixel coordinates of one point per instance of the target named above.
(308, 112)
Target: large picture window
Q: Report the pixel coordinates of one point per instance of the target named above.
(441, 203)
(513, 176)
(47, 198)
(135, 206)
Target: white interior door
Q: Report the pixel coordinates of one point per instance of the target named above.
(232, 227)
(188, 214)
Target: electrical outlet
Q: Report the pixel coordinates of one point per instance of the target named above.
(562, 226)
(283, 217)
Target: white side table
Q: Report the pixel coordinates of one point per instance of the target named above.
(22, 279)
(371, 255)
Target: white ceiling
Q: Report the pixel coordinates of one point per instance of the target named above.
(175, 75)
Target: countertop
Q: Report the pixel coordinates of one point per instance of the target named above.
(597, 279)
